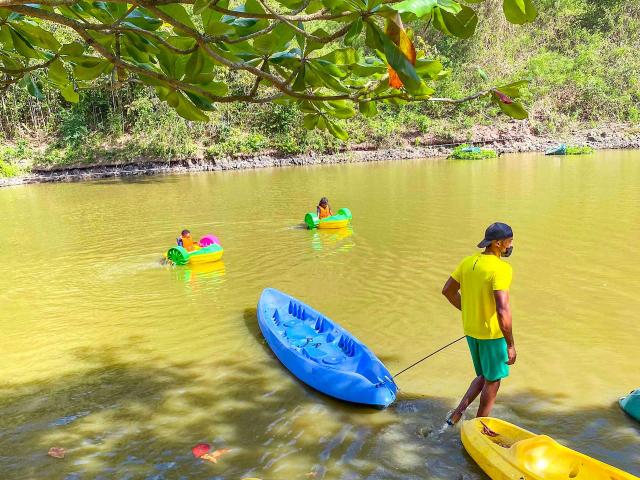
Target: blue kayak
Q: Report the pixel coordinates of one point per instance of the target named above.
(631, 404)
(321, 353)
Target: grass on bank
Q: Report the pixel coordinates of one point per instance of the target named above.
(576, 150)
(468, 152)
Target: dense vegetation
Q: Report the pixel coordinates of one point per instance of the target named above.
(468, 152)
(579, 54)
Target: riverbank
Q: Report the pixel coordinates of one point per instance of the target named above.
(510, 138)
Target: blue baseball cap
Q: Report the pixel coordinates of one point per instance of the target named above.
(495, 231)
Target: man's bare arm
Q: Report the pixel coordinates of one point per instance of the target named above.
(503, 309)
(451, 290)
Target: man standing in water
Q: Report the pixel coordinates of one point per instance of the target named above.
(479, 287)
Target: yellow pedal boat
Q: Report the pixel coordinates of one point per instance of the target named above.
(339, 220)
(516, 454)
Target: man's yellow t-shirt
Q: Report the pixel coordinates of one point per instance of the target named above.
(479, 275)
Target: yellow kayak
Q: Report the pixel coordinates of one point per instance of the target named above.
(516, 454)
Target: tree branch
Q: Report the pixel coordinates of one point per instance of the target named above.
(20, 72)
(315, 38)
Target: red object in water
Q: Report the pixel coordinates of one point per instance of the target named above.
(200, 449)
(56, 452)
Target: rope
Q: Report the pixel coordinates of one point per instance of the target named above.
(430, 355)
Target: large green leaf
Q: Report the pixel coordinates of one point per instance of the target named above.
(513, 89)
(428, 68)
(97, 10)
(292, 4)
(310, 121)
(519, 11)
(69, 94)
(289, 59)
(420, 8)
(171, 64)
(32, 87)
(400, 63)
(215, 27)
(354, 31)
(5, 38)
(450, 6)
(104, 39)
(329, 67)
(57, 74)
(178, 12)
(141, 18)
(22, 45)
(462, 25)
(368, 109)
(91, 68)
(317, 75)
(211, 21)
(37, 36)
(299, 84)
(220, 89)
(336, 130)
(10, 63)
(194, 65)
(185, 108)
(246, 26)
(369, 67)
(313, 44)
(339, 5)
(200, 6)
(342, 56)
(131, 50)
(514, 110)
(373, 39)
(74, 49)
(276, 40)
(201, 102)
(340, 108)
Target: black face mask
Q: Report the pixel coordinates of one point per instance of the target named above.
(507, 252)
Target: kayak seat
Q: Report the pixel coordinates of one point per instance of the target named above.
(300, 331)
(299, 342)
(313, 353)
(328, 353)
(292, 323)
(334, 359)
(546, 458)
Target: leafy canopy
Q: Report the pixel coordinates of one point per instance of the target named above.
(295, 51)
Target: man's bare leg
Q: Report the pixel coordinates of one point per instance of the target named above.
(474, 390)
(488, 398)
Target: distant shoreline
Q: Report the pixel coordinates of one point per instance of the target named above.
(601, 138)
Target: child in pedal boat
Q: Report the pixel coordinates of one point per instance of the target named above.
(324, 209)
(186, 241)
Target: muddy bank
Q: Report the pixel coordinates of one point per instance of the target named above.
(510, 139)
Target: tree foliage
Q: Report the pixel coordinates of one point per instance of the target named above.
(332, 58)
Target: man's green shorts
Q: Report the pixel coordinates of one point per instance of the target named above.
(489, 357)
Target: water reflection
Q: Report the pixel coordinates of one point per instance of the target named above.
(211, 273)
(333, 241)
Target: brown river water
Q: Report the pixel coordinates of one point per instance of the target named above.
(126, 363)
